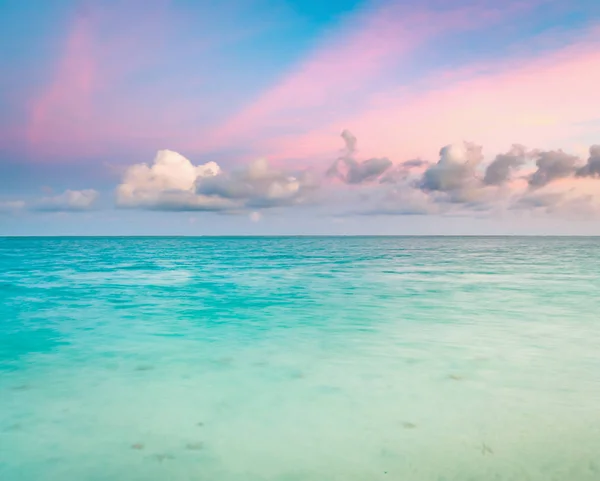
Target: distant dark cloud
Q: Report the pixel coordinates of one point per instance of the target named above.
(349, 170)
(592, 168)
(552, 165)
(500, 169)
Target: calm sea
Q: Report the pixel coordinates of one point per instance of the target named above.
(300, 359)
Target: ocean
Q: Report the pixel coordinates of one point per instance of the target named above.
(300, 359)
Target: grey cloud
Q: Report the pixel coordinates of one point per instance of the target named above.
(454, 170)
(458, 184)
(455, 174)
(592, 168)
(402, 171)
(409, 164)
(368, 170)
(350, 141)
(500, 169)
(259, 186)
(349, 170)
(552, 165)
(452, 185)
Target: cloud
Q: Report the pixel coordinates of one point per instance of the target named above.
(592, 168)
(11, 206)
(536, 200)
(404, 200)
(172, 182)
(409, 164)
(455, 174)
(552, 165)
(259, 186)
(568, 197)
(350, 171)
(402, 171)
(499, 171)
(168, 184)
(460, 183)
(68, 201)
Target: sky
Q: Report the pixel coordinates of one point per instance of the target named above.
(299, 117)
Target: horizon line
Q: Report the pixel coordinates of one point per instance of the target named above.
(258, 236)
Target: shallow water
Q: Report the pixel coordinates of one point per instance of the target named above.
(299, 359)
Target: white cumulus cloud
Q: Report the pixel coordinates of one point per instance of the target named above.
(168, 184)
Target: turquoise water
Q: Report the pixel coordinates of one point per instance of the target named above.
(299, 359)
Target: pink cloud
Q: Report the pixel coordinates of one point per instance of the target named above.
(541, 103)
(130, 77)
(88, 107)
(70, 91)
(334, 79)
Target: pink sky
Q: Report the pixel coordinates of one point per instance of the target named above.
(337, 78)
(537, 102)
(84, 110)
(110, 85)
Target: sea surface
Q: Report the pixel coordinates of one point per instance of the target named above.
(300, 359)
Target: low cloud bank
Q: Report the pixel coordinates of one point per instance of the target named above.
(172, 182)
(459, 182)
